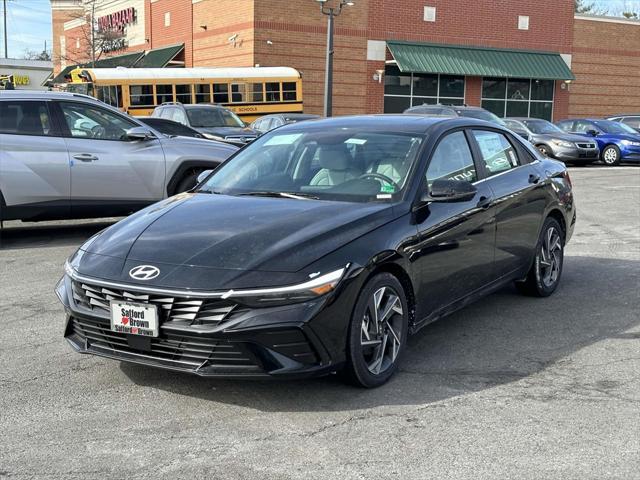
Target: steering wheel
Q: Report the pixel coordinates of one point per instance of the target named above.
(379, 176)
(98, 131)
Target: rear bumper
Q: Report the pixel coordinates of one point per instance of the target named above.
(293, 341)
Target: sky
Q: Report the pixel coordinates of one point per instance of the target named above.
(29, 22)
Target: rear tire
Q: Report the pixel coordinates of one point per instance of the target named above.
(611, 155)
(378, 332)
(544, 276)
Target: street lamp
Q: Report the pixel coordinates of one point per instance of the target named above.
(330, 12)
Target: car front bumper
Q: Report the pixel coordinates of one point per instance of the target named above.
(292, 341)
(575, 154)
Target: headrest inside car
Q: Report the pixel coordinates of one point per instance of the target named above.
(334, 158)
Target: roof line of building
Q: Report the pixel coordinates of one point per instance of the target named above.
(605, 18)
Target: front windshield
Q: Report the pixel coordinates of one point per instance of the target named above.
(608, 126)
(541, 126)
(348, 164)
(482, 115)
(200, 117)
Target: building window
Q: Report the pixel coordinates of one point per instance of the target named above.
(518, 97)
(404, 90)
(183, 93)
(167, 19)
(429, 14)
(523, 22)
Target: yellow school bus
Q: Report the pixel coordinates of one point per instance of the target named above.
(250, 92)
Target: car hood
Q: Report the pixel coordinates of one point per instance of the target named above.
(618, 137)
(226, 131)
(568, 137)
(199, 142)
(228, 233)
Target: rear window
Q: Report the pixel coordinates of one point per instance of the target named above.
(25, 118)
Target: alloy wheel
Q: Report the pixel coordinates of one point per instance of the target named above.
(550, 259)
(381, 331)
(610, 156)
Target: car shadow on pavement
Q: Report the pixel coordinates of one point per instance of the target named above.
(16, 235)
(501, 339)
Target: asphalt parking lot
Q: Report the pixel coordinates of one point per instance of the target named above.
(511, 387)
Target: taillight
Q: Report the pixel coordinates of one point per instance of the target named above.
(566, 176)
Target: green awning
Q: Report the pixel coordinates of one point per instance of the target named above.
(478, 61)
(156, 58)
(159, 57)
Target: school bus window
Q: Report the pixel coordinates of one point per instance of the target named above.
(141, 95)
(288, 91)
(203, 93)
(238, 91)
(273, 91)
(221, 93)
(111, 94)
(183, 93)
(257, 94)
(164, 93)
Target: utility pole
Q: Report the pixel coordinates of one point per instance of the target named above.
(331, 13)
(93, 35)
(6, 46)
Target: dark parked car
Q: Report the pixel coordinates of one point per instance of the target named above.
(631, 120)
(553, 142)
(170, 128)
(320, 247)
(617, 142)
(455, 111)
(213, 121)
(269, 122)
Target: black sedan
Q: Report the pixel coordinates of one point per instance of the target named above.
(320, 246)
(553, 142)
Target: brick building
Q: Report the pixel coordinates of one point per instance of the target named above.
(514, 57)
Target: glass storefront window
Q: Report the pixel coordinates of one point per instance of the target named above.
(518, 97)
(403, 90)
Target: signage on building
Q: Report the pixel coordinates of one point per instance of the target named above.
(16, 79)
(117, 20)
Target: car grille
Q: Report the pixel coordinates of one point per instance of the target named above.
(179, 350)
(178, 310)
(587, 145)
(240, 138)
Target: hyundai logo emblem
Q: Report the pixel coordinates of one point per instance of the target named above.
(144, 272)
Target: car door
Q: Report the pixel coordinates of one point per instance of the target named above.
(456, 239)
(515, 178)
(109, 171)
(34, 163)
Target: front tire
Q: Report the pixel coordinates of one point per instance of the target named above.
(544, 150)
(544, 276)
(378, 332)
(611, 155)
(188, 182)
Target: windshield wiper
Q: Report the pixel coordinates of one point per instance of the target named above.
(296, 195)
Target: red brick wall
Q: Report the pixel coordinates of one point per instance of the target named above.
(179, 30)
(606, 63)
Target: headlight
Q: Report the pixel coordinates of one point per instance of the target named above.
(302, 292)
(630, 143)
(561, 143)
(213, 137)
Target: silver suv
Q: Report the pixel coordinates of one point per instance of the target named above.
(66, 155)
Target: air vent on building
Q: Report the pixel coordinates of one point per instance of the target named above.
(429, 14)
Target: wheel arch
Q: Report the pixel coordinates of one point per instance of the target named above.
(405, 280)
(558, 216)
(610, 144)
(186, 167)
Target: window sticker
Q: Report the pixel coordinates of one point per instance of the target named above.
(386, 188)
(283, 139)
(356, 141)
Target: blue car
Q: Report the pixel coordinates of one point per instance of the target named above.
(617, 142)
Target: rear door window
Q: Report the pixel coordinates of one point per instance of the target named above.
(25, 118)
(497, 152)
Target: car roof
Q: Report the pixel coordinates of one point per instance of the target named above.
(521, 119)
(623, 115)
(45, 95)
(401, 123)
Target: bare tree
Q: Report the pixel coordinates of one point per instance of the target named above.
(589, 7)
(94, 40)
(33, 55)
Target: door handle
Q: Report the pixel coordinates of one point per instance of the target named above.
(534, 178)
(484, 202)
(85, 157)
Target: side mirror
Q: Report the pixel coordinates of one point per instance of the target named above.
(139, 133)
(450, 191)
(593, 133)
(203, 175)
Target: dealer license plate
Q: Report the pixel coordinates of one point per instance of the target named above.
(134, 318)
